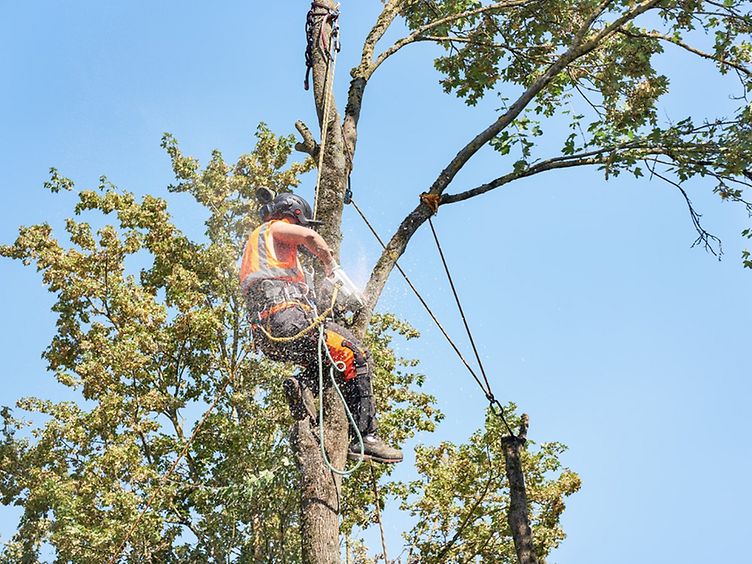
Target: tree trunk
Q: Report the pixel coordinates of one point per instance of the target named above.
(319, 493)
(319, 489)
(517, 517)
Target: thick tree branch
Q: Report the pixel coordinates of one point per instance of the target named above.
(361, 74)
(581, 46)
(576, 51)
(388, 14)
(543, 166)
(308, 145)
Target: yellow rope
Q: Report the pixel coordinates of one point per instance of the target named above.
(315, 323)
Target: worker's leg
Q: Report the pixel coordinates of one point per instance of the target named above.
(358, 391)
(358, 367)
(283, 324)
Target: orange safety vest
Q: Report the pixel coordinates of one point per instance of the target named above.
(260, 260)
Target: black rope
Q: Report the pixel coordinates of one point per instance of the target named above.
(489, 395)
(494, 404)
(320, 10)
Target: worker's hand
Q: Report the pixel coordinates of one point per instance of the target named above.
(329, 268)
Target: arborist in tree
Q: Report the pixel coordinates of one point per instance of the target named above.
(283, 313)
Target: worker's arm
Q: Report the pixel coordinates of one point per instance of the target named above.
(297, 235)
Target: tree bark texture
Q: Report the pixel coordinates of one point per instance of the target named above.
(335, 166)
(319, 492)
(517, 516)
(320, 488)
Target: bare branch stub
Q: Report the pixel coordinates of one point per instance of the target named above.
(524, 423)
(309, 144)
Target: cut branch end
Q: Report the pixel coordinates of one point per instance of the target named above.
(309, 144)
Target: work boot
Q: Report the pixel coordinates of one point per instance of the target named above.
(299, 402)
(374, 449)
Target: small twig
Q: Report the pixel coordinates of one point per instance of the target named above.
(577, 87)
(694, 50)
(704, 237)
(421, 31)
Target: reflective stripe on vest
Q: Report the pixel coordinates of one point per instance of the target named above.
(261, 263)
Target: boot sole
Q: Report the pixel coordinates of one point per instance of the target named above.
(356, 456)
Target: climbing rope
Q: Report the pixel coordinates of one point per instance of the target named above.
(340, 367)
(432, 201)
(433, 204)
(329, 49)
(318, 321)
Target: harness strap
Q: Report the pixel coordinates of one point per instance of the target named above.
(279, 307)
(315, 323)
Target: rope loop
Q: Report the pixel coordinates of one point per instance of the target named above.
(317, 322)
(326, 46)
(498, 410)
(431, 201)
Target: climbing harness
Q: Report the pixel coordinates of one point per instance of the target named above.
(329, 48)
(432, 201)
(318, 322)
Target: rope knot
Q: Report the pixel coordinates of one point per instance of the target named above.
(431, 201)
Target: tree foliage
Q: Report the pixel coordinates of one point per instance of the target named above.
(151, 328)
(581, 83)
(152, 334)
(461, 499)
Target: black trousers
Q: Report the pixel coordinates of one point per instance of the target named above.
(355, 380)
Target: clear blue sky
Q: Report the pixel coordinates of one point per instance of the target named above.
(591, 311)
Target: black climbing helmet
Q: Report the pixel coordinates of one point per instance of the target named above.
(288, 205)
